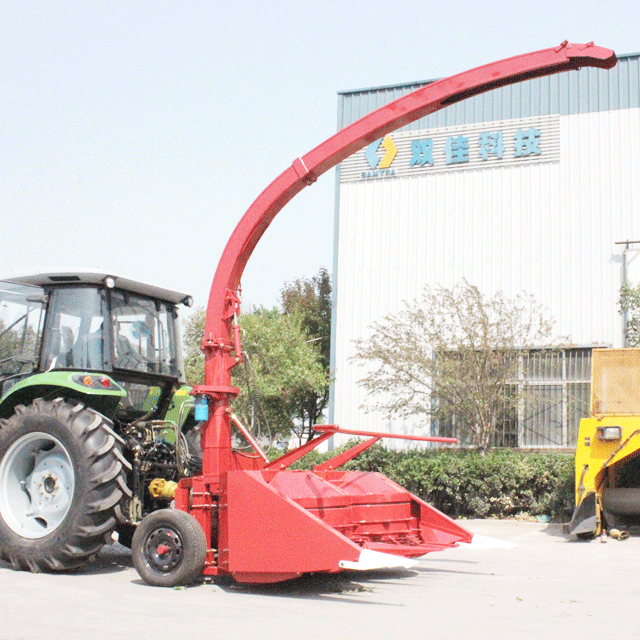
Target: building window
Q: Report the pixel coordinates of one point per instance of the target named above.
(555, 388)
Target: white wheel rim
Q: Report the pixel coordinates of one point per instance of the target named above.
(36, 485)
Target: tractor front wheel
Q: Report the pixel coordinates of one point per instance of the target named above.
(61, 477)
(169, 548)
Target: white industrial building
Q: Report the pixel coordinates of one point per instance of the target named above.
(525, 188)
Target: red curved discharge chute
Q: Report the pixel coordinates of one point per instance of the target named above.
(223, 300)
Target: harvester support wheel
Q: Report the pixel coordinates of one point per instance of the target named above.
(61, 477)
(169, 548)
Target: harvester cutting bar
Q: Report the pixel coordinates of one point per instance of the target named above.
(274, 526)
(372, 511)
(264, 510)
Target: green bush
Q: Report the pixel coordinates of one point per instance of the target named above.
(502, 484)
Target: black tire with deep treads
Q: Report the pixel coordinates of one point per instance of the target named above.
(99, 484)
(181, 561)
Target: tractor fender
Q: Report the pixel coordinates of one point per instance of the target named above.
(96, 390)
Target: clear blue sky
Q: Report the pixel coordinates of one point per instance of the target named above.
(134, 135)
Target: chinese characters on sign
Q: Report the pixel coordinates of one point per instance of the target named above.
(436, 150)
(489, 144)
(421, 150)
(457, 149)
(527, 143)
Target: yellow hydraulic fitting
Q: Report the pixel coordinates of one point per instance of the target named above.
(161, 488)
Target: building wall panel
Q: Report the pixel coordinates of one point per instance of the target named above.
(547, 228)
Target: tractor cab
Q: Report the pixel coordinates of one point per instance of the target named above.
(92, 322)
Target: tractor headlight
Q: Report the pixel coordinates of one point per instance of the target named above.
(609, 433)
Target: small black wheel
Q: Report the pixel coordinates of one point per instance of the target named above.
(169, 548)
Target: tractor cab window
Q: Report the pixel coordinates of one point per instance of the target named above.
(75, 336)
(21, 316)
(144, 334)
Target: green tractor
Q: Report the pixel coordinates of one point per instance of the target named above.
(96, 425)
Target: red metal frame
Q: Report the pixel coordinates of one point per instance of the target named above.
(220, 481)
(345, 456)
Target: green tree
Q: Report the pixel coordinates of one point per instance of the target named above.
(630, 309)
(16, 341)
(280, 366)
(193, 356)
(311, 300)
(453, 353)
(9, 341)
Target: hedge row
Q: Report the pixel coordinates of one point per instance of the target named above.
(461, 483)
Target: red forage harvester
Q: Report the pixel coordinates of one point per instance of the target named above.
(260, 522)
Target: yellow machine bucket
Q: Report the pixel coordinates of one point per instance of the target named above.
(608, 450)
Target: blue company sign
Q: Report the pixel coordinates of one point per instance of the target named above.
(386, 157)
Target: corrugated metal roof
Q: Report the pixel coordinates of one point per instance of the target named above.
(583, 91)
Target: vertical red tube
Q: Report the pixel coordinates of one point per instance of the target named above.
(216, 442)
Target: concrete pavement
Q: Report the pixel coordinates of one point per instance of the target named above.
(526, 580)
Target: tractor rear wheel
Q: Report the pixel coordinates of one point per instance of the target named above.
(61, 476)
(169, 548)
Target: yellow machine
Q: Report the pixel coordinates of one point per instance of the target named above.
(608, 451)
